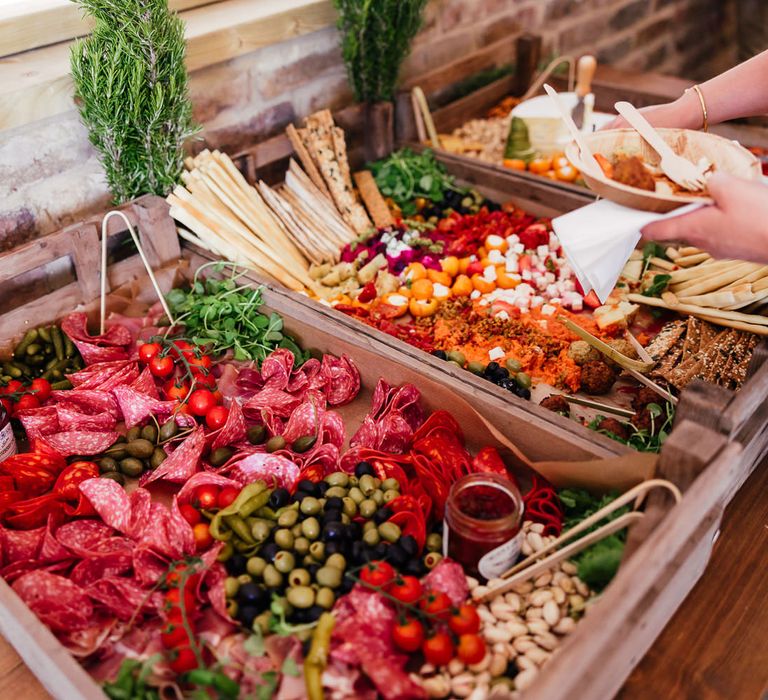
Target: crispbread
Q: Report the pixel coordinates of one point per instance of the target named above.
(297, 141)
(374, 202)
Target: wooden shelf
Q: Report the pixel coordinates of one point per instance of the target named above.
(36, 84)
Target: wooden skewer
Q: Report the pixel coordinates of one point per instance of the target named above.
(598, 405)
(661, 391)
(421, 131)
(428, 122)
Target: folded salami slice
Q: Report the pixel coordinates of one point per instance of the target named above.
(105, 376)
(59, 603)
(136, 407)
(272, 469)
(91, 401)
(184, 461)
(112, 345)
(81, 442)
(145, 383)
(233, 430)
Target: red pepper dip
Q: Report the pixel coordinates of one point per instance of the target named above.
(483, 515)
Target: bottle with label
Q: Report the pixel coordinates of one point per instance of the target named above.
(7, 439)
(483, 517)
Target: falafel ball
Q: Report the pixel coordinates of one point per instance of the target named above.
(645, 420)
(644, 397)
(597, 378)
(612, 425)
(624, 347)
(557, 404)
(580, 352)
(630, 170)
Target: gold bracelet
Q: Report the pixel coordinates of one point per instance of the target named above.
(697, 89)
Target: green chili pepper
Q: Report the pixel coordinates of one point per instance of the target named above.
(317, 658)
(217, 530)
(240, 528)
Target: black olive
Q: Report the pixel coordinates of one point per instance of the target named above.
(254, 595)
(382, 515)
(357, 551)
(268, 551)
(396, 556)
(246, 614)
(491, 368)
(334, 503)
(308, 488)
(347, 584)
(330, 516)
(508, 384)
(501, 374)
(300, 616)
(334, 547)
(333, 532)
(322, 487)
(525, 394)
(380, 550)
(354, 532)
(279, 498)
(314, 613)
(440, 354)
(364, 468)
(409, 545)
(313, 569)
(236, 564)
(369, 554)
(414, 567)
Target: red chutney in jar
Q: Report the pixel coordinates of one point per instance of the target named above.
(483, 516)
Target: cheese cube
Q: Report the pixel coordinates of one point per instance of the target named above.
(496, 354)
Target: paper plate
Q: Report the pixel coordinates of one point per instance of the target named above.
(728, 156)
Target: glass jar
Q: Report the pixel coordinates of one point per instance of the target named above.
(483, 517)
(7, 440)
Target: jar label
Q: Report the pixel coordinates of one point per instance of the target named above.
(7, 442)
(498, 560)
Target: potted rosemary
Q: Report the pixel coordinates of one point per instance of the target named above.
(376, 38)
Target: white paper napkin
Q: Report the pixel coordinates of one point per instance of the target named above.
(599, 238)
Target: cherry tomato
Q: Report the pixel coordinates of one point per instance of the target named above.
(203, 538)
(7, 405)
(409, 635)
(42, 388)
(199, 365)
(227, 495)
(206, 496)
(174, 578)
(216, 417)
(200, 402)
(174, 635)
(406, 589)
(176, 390)
(184, 660)
(180, 347)
(207, 381)
(465, 620)
(161, 366)
(148, 350)
(438, 649)
(218, 396)
(172, 604)
(27, 401)
(190, 514)
(471, 648)
(437, 605)
(12, 387)
(377, 574)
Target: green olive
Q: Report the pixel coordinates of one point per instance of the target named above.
(257, 434)
(367, 484)
(391, 495)
(308, 560)
(231, 586)
(261, 530)
(301, 545)
(242, 579)
(369, 525)
(432, 559)
(296, 530)
(476, 367)
(168, 430)
(336, 492)
(220, 455)
(284, 561)
(390, 484)
(310, 528)
(371, 537)
(149, 432)
(226, 552)
(304, 443)
(349, 507)
(353, 480)
(232, 608)
(301, 597)
(523, 380)
(368, 508)
(130, 466)
(262, 622)
(356, 495)
(329, 576)
(272, 577)
(456, 356)
(284, 538)
(133, 434)
(434, 543)
(275, 443)
(288, 517)
(325, 598)
(337, 560)
(337, 479)
(389, 532)
(299, 577)
(107, 464)
(345, 519)
(317, 550)
(377, 497)
(513, 365)
(255, 566)
(309, 505)
(159, 455)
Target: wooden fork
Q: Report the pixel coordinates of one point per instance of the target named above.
(675, 167)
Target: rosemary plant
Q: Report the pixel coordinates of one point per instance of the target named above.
(131, 89)
(376, 38)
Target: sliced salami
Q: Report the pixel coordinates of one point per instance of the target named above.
(59, 603)
(145, 384)
(137, 407)
(274, 470)
(121, 597)
(87, 401)
(39, 421)
(233, 430)
(71, 419)
(448, 577)
(184, 461)
(275, 401)
(112, 345)
(81, 442)
(276, 369)
(342, 379)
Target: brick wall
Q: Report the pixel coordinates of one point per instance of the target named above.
(50, 176)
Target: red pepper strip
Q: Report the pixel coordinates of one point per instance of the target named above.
(314, 473)
(68, 483)
(489, 460)
(30, 480)
(367, 293)
(32, 513)
(439, 420)
(546, 513)
(412, 522)
(435, 485)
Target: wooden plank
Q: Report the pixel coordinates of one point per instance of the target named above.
(36, 84)
(30, 25)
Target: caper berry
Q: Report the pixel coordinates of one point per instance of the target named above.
(309, 505)
(301, 597)
(107, 464)
(434, 542)
(388, 484)
(523, 380)
(337, 559)
(231, 586)
(304, 443)
(325, 598)
(317, 550)
(336, 492)
(159, 455)
(301, 545)
(220, 455)
(255, 566)
(272, 577)
(329, 576)
(261, 530)
(356, 495)
(149, 432)
(371, 537)
(390, 495)
(284, 561)
(168, 430)
(367, 484)
(337, 479)
(368, 508)
(257, 434)
(310, 528)
(288, 517)
(133, 434)
(131, 466)
(140, 448)
(389, 532)
(284, 538)
(275, 443)
(299, 577)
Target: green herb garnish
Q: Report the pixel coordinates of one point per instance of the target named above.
(658, 286)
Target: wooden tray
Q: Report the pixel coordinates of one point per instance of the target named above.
(666, 553)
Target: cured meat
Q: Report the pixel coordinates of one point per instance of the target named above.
(448, 577)
(121, 597)
(88, 401)
(233, 430)
(274, 470)
(39, 421)
(81, 442)
(184, 461)
(395, 414)
(71, 419)
(145, 384)
(342, 379)
(276, 401)
(59, 603)
(105, 376)
(137, 407)
(112, 345)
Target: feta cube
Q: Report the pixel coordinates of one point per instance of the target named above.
(542, 251)
(518, 248)
(524, 289)
(536, 301)
(503, 315)
(548, 309)
(514, 238)
(440, 291)
(475, 294)
(527, 275)
(512, 265)
(496, 257)
(489, 273)
(496, 354)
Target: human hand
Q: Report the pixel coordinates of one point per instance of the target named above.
(683, 113)
(734, 227)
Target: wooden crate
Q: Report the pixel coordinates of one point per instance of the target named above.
(662, 562)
